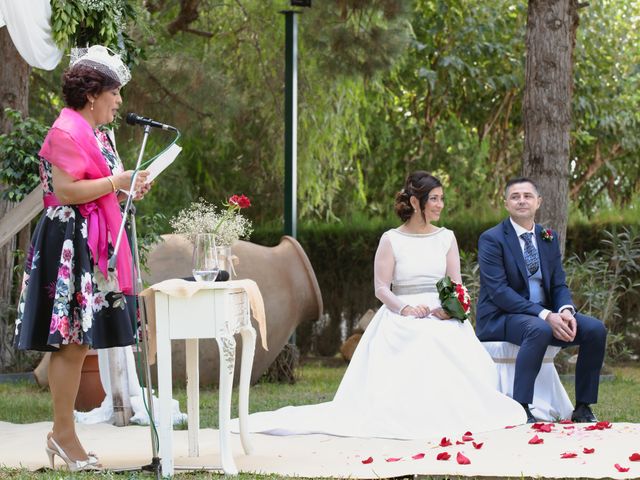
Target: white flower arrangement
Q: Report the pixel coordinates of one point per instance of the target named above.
(228, 225)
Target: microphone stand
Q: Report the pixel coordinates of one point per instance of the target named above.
(129, 212)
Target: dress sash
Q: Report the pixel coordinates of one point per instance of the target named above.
(413, 289)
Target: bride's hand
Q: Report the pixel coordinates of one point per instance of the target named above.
(440, 313)
(419, 311)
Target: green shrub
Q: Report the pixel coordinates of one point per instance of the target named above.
(605, 285)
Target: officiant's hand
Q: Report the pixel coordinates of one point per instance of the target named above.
(142, 191)
(122, 181)
(562, 329)
(419, 311)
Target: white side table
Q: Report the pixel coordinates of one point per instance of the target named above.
(216, 311)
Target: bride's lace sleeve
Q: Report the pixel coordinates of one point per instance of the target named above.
(453, 261)
(383, 267)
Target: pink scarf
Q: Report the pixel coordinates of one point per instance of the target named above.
(71, 146)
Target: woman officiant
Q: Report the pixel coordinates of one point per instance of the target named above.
(70, 301)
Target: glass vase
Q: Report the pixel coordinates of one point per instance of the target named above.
(205, 258)
(225, 260)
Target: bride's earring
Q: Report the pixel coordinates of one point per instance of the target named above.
(92, 105)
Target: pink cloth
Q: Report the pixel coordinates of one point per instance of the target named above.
(71, 146)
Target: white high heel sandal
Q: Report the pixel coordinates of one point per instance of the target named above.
(74, 465)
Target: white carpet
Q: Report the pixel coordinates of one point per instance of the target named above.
(504, 453)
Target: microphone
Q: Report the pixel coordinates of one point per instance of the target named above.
(135, 119)
(223, 276)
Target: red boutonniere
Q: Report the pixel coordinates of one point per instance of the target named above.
(547, 234)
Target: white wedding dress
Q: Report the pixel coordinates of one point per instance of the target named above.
(410, 378)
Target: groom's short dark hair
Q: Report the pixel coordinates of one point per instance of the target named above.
(514, 181)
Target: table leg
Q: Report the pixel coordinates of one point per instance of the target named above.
(248, 334)
(193, 394)
(227, 347)
(165, 388)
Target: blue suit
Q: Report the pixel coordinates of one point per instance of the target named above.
(505, 313)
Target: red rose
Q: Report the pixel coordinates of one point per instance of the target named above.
(240, 201)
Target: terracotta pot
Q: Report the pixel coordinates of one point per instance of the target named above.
(286, 280)
(90, 393)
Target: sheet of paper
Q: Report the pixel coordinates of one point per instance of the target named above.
(163, 161)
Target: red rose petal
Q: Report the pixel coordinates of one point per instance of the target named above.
(565, 422)
(510, 426)
(569, 455)
(468, 433)
(445, 442)
(569, 427)
(477, 446)
(462, 460)
(367, 460)
(588, 450)
(467, 438)
(536, 440)
(621, 468)
(393, 459)
(418, 456)
(598, 426)
(635, 457)
(542, 427)
(443, 456)
(458, 442)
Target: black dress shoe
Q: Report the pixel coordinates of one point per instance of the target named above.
(530, 417)
(583, 414)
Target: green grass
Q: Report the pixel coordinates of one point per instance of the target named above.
(23, 402)
(26, 403)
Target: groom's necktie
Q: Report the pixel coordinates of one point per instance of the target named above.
(530, 253)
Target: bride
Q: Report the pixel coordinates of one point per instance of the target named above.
(416, 373)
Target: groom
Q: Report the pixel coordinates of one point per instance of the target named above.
(524, 300)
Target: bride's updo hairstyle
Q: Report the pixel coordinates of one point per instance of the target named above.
(418, 184)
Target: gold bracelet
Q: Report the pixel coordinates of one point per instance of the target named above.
(112, 183)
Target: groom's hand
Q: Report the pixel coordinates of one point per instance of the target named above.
(561, 329)
(570, 320)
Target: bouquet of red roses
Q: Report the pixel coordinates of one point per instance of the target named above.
(454, 298)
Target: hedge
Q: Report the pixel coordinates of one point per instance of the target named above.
(342, 257)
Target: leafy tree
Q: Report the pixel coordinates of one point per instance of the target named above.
(451, 104)
(551, 38)
(605, 167)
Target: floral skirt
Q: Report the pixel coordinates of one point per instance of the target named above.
(64, 298)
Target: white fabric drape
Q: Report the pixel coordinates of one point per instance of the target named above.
(137, 396)
(550, 399)
(29, 25)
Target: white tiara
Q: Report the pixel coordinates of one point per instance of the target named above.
(100, 58)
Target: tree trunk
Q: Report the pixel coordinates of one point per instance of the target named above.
(551, 36)
(14, 93)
